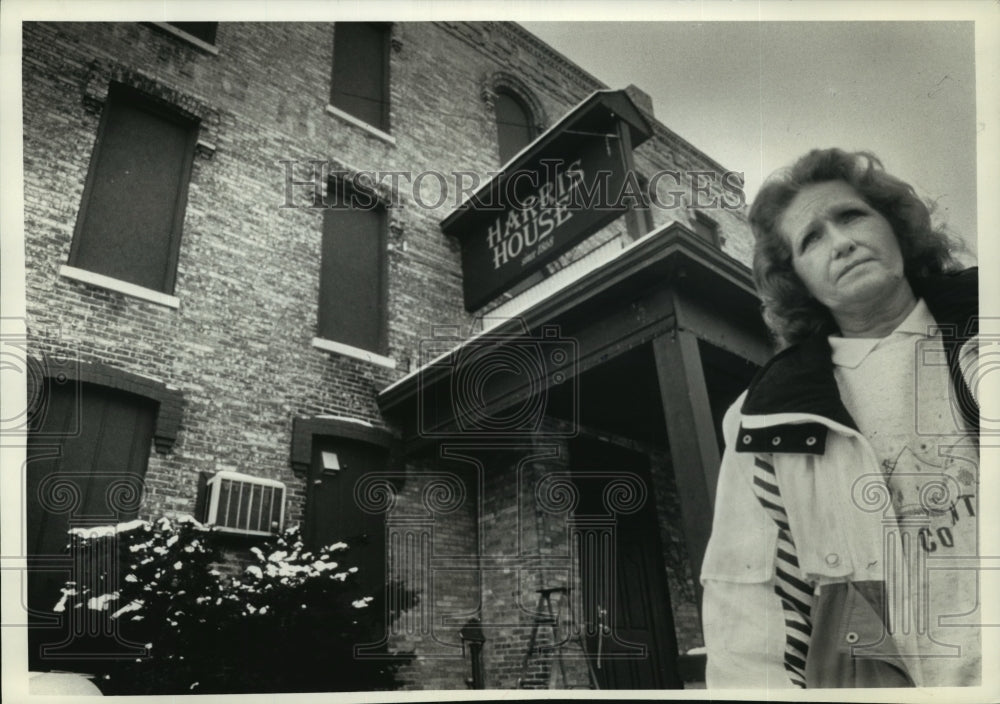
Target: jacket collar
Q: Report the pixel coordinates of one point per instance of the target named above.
(800, 378)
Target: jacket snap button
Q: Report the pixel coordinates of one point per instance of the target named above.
(833, 559)
(747, 439)
(852, 637)
(776, 440)
(811, 440)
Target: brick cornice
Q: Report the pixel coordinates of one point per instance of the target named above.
(524, 39)
(545, 52)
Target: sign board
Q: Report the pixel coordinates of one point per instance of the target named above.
(569, 183)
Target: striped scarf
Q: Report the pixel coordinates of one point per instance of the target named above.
(795, 593)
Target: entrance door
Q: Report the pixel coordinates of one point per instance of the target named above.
(626, 604)
(334, 515)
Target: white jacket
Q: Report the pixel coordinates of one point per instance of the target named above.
(838, 511)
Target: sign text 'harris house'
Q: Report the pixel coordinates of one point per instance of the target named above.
(571, 181)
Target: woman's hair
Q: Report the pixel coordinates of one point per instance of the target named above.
(789, 310)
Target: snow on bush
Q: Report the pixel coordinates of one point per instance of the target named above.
(290, 620)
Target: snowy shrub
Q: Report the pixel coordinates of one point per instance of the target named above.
(289, 621)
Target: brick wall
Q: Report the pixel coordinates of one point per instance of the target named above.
(434, 545)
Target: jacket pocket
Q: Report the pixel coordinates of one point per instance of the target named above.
(850, 645)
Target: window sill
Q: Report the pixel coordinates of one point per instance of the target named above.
(374, 131)
(112, 284)
(355, 352)
(189, 38)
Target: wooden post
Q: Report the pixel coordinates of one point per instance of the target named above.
(694, 449)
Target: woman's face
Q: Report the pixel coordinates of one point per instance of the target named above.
(843, 250)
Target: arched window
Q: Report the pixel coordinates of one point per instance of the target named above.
(515, 128)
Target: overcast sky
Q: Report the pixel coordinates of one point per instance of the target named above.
(756, 95)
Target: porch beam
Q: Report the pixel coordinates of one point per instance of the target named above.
(727, 334)
(609, 329)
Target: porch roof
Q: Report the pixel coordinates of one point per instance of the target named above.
(671, 258)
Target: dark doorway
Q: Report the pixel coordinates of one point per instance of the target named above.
(334, 514)
(626, 610)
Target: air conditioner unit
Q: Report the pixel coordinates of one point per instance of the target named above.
(240, 503)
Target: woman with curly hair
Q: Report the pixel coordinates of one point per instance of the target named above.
(846, 511)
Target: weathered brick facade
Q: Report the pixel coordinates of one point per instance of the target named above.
(235, 359)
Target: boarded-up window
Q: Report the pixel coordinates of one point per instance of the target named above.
(514, 126)
(352, 277)
(130, 220)
(360, 85)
